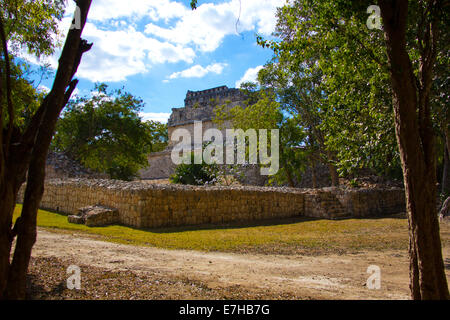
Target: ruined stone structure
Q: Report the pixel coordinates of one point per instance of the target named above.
(61, 166)
(198, 106)
(147, 205)
(95, 216)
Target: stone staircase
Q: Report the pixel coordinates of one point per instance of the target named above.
(323, 204)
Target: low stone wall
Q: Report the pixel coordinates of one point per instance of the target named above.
(371, 202)
(152, 205)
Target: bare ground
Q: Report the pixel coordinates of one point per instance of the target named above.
(117, 271)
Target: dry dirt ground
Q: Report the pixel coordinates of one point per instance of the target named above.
(116, 271)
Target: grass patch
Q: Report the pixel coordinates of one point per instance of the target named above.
(287, 236)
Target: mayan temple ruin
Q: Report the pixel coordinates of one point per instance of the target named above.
(198, 106)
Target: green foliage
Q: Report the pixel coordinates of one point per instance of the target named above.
(213, 102)
(194, 4)
(105, 133)
(195, 174)
(354, 183)
(32, 25)
(262, 111)
(158, 135)
(25, 98)
(330, 70)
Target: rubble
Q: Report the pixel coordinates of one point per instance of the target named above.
(95, 216)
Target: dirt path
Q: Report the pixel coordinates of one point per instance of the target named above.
(316, 277)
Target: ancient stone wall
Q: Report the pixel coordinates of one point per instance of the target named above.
(148, 205)
(160, 166)
(203, 97)
(371, 202)
(61, 166)
(200, 105)
(205, 125)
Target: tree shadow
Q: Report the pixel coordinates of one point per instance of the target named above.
(35, 290)
(228, 225)
(249, 223)
(259, 223)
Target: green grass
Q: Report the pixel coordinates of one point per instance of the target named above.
(285, 236)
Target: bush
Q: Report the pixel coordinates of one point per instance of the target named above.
(195, 174)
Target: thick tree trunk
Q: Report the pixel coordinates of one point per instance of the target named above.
(8, 203)
(416, 144)
(8, 195)
(26, 229)
(414, 284)
(446, 172)
(29, 153)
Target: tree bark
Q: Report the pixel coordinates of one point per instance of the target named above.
(289, 176)
(313, 174)
(446, 172)
(333, 174)
(416, 144)
(28, 152)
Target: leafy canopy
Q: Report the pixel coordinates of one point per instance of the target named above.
(32, 25)
(331, 71)
(105, 133)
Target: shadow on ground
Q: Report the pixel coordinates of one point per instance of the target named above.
(35, 290)
(260, 223)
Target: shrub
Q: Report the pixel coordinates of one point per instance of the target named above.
(195, 174)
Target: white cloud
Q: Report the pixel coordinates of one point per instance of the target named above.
(198, 71)
(122, 53)
(249, 76)
(103, 10)
(161, 116)
(42, 88)
(210, 23)
(45, 89)
(132, 36)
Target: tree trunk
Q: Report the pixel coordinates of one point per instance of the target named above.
(333, 174)
(26, 229)
(446, 172)
(6, 211)
(28, 152)
(416, 144)
(313, 174)
(289, 177)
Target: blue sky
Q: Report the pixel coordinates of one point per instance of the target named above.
(159, 49)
